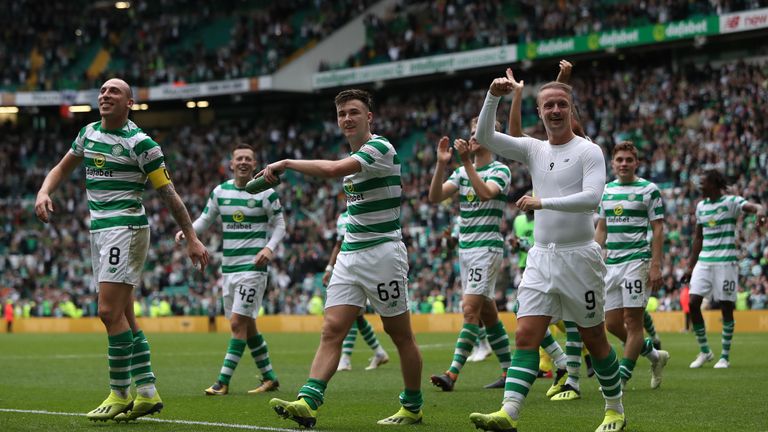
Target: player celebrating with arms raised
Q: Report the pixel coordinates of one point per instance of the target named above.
(482, 185)
(563, 278)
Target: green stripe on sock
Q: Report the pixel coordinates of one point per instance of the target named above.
(120, 350)
(573, 346)
(728, 327)
(141, 364)
(464, 344)
(522, 374)
(499, 340)
(313, 392)
(349, 341)
(626, 366)
(701, 337)
(260, 354)
(367, 332)
(607, 372)
(411, 400)
(235, 349)
(648, 324)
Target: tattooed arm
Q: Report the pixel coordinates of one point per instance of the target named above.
(195, 249)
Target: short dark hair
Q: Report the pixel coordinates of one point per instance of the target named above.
(243, 146)
(625, 146)
(354, 94)
(716, 177)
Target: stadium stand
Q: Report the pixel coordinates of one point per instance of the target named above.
(417, 29)
(158, 42)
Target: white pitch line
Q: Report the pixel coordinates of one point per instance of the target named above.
(157, 420)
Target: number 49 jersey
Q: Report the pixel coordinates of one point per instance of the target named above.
(628, 209)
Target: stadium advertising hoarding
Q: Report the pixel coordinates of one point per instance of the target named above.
(620, 38)
(415, 67)
(210, 88)
(744, 21)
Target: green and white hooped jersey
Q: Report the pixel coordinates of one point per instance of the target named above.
(480, 225)
(245, 219)
(341, 225)
(117, 163)
(373, 197)
(718, 221)
(628, 209)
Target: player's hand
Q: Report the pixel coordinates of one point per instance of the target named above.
(462, 147)
(179, 236)
(197, 253)
(326, 278)
(501, 86)
(565, 71)
(264, 257)
(444, 151)
(43, 205)
(271, 171)
(527, 203)
(517, 86)
(513, 243)
(686, 277)
(761, 220)
(654, 275)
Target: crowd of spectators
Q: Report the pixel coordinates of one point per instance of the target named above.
(47, 46)
(416, 28)
(683, 119)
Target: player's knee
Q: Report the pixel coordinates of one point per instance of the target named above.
(109, 314)
(525, 339)
(333, 331)
(471, 313)
(633, 323)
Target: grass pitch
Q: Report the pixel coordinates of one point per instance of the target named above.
(45, 377)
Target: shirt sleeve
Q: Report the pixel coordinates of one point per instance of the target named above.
(208, 216)
(515, 148)
(149, 155)
(375, 158)
(593, 183)
(656, 205)
(455, 177)
(341, 227)
(501, 176)
(738, 205)
(78, 145)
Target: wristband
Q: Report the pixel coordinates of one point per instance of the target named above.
(329, 268)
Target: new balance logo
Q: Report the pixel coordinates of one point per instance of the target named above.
(590, 315)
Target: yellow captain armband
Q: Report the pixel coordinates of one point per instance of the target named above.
(159, 177)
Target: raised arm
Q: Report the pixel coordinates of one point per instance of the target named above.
(438, 189)
(515, 110)
(564, 76)
(497, 142)
(62, 170)
(485, 190)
